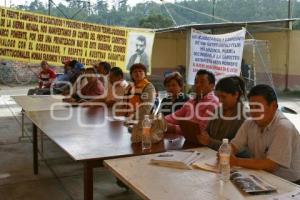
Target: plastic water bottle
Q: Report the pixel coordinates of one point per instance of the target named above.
(146, 137)
(224, 164)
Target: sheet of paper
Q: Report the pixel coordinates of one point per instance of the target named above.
(210, 165)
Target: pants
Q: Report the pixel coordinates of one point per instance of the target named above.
(297, 182)
(38, 91)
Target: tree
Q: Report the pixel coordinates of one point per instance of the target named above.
(155, 21)
(151, 14)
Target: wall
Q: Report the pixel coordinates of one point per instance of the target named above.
(280, 60)
(170, 50)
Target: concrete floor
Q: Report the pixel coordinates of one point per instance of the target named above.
(60, 178)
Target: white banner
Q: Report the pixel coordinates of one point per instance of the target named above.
(220, 54)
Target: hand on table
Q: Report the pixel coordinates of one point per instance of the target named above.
(203, 138)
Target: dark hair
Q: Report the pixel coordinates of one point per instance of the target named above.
(174, 76)
(142, 38)
(210, 76)
(106, 66)
(90, 70)
(266, 91)
(138, 66)
(73, 63)
(116, 71)
(231, 85)
(44, 62)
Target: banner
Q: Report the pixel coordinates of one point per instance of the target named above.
(139, 49)
(31, 38)
(220, 54)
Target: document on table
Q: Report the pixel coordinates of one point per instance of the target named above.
(210, 165)
(295, 195)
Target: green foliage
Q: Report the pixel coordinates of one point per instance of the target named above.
(155, 21)
(154, 15)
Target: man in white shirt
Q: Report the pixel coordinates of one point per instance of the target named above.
(103, 69)
(116, 88)
(273, 141)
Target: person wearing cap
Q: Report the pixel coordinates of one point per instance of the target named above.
(46, 77)
(72, 70)
(140, 95)
(67, 71)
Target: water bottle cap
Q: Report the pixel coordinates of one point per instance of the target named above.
(225, 140)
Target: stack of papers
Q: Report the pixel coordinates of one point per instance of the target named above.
(176, 159)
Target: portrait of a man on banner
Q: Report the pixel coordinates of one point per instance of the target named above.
(139, 49)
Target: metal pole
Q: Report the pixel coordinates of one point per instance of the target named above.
(49, 7)
(290, 14)
(213, 10)
(287, 65)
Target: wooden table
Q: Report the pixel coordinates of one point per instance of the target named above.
(87, 135)
(38, 103)
(157, 182)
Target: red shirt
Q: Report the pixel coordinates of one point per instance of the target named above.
(46, 77)
(93, 88)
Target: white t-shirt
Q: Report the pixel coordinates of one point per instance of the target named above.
(116, 91)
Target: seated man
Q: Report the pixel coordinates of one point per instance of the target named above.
(91, 90)
(116, 89)
(46, 77)
(72, 70)
(273, 141)
(103, 69)
(199, 108)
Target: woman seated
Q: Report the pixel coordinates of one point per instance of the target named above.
(229, 116)
(93, 89)
(139, 96)
(176, 98)
(197, 109)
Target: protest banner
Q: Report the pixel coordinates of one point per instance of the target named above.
(220, 54)
(31, 37)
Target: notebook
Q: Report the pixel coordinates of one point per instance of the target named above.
(176, 159)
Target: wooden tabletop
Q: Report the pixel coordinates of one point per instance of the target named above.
(88, 133)
(40, 102)
(157, 182)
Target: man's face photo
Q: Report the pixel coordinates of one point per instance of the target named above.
(140, 46)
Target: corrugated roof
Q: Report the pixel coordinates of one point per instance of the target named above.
(268, 25)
